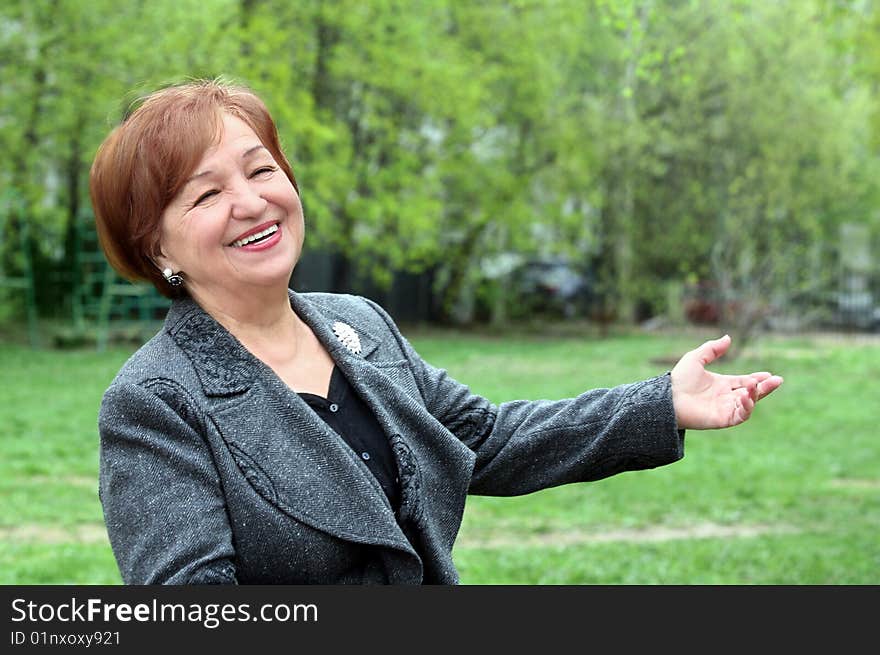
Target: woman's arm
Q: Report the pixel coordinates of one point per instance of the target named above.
(523, 446)
(160, 491)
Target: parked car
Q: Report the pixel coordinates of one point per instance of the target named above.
(552, 286)
(854, 310)
(703, 304)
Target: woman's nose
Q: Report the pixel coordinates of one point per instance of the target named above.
(247, 202)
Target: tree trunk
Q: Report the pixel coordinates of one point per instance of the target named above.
(459, 267)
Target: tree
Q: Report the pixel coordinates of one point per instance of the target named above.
(659, 141)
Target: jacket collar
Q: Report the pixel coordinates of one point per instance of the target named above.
(225, 367)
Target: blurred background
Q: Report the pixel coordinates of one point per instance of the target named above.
(641, 173)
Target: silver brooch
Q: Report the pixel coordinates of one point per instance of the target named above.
(349, 338)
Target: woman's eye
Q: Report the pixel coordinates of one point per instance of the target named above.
(263, 170)
(205, 196)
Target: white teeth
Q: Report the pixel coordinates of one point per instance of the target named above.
(253, 237)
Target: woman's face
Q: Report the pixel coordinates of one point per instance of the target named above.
(236, 226)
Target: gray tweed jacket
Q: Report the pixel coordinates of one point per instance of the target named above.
(212, 470)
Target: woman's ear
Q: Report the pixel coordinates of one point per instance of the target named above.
(162, 263)
(160, 260)
(172, 276)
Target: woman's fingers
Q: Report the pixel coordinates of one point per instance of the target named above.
(749, 399)
(741, 409)
(712, 350)
(745, 403)
(769, 385)
(757, 385)
(763, 382)
(737, 381)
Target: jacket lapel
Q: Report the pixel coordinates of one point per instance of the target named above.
(288, 453)
(321, 319)
(424, 454)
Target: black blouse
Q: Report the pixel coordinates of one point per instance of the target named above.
(345, 412)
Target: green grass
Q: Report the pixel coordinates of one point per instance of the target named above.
(791, 497)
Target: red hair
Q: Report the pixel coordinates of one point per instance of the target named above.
(145, 161)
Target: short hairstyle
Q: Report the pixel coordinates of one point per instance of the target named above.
(145, 162)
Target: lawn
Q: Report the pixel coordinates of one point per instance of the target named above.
(791, 497)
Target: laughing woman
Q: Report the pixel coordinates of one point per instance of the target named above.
(268, 436)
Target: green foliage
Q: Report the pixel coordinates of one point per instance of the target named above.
(657, 140)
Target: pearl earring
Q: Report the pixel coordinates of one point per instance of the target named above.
(174, 279)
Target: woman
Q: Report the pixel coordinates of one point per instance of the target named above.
(266, 436)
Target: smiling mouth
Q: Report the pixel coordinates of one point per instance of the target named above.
(256, 237)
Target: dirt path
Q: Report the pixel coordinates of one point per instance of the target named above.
(658, 533)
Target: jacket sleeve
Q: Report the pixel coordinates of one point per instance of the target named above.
(161, 495)
(523, 446)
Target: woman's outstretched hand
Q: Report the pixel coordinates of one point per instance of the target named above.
(705, 400)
